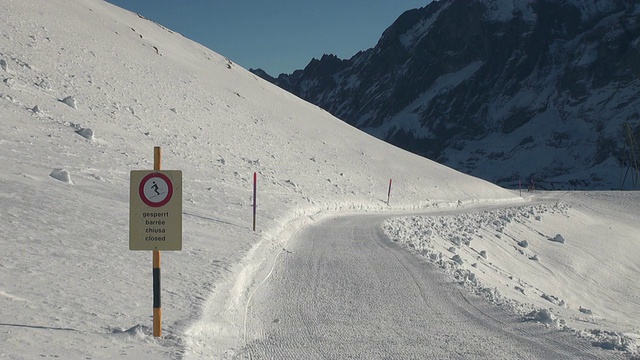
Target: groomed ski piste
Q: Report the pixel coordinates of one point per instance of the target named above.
(88, 89)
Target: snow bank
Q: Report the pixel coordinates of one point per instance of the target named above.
(547, 290)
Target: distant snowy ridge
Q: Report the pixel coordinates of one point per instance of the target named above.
(556, 86)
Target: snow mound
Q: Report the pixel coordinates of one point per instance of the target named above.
(543, 316)
(558, 238)
(553, 299)
(44, 85)
(611, 340)
(137, 331)
(62, 175)
(585, 311)
(85, 133)
(70, 101)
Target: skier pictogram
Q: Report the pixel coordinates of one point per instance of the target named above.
(156, 189)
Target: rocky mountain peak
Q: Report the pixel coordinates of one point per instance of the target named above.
(506, 90)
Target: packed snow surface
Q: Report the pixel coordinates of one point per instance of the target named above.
(86, 92)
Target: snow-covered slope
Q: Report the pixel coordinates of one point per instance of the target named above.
(86, 91)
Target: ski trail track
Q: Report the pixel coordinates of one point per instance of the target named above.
(343, 290)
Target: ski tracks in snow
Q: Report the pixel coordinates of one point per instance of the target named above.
(346, 291)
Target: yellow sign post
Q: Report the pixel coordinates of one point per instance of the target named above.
(155, 220)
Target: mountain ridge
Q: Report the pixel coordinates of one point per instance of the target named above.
(508, 91)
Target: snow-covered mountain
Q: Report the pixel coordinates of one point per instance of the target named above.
(506, 90)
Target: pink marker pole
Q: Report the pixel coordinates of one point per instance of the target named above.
(255, 182)
(520, 187)
(389, 193)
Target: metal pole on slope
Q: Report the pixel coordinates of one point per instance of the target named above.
(157, 309)
(255, 182)
(520, 187)
(389, 193)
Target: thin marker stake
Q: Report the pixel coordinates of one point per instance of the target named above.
(389, 193)
(255, 183)
(520, 187)
(157, 309)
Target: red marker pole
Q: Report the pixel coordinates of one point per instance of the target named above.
(389, 193)
(255, 182)
(520, 186)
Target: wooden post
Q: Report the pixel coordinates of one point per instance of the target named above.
(157, 309)
(389, 193)
(255, 182)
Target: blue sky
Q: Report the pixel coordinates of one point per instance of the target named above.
(277, 36)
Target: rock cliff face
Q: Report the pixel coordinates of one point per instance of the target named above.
(506, 90)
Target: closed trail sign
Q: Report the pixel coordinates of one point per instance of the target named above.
(155, 212)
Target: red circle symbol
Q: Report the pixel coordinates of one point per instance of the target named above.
(155, 189)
